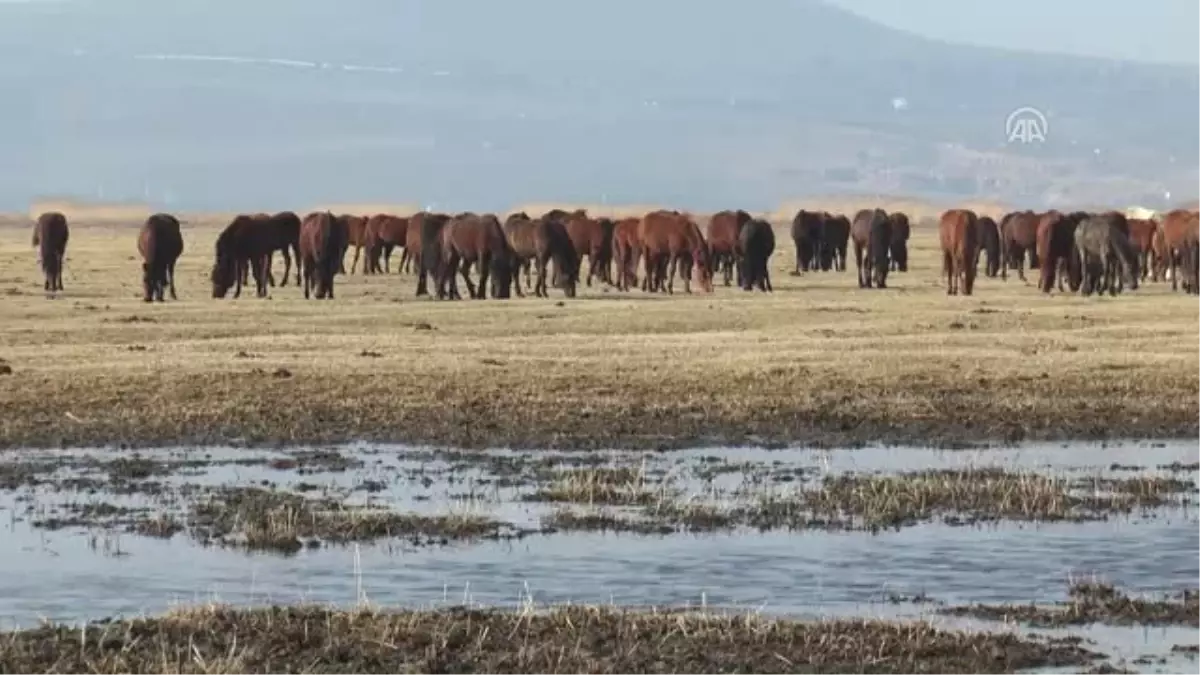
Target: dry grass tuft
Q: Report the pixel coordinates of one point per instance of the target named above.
(1094, 602)
(573, 639)
(818, 362)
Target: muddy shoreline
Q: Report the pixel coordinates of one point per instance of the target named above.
(268, 410)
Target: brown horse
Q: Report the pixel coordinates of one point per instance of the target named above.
(160, 244)
(899, 248)
(673, 238)
(541, 241)
(476, 239)
(247, 245)
(756, 243)
(383, 234)
(322, 244)
(835, 237)
(871, 232)
(356, 236)
(1141, 237)
(424, 240)
(1018, 235)
(959, 233)
(1056, 251)
(989, 245)
(627, 249)
(724, 228)
(1181, 240)
(807, 236)
(50, 234)
(590, 237)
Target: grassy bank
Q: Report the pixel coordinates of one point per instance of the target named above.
(819, 361)
(575, 639)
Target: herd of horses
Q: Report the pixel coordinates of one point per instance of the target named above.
(1083, 251)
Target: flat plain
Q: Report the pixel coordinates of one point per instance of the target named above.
(817, 361)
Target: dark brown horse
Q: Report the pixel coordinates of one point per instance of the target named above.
(808, 228)
(50, 234)
(322, 244)
(627, 249)
(541, 241)
(989, 245)
(835, 237)
(959, 233)
(899, 248)
(1141, 237)
(591, 238)
(356, 236)
(472, 239)
(871, 232)
(247, 245)
(672, 238)
(1018, 235)
(160, 244)
(756, 243)
(424, 240)
(383, 234)
(724, 228)
(1056, 251)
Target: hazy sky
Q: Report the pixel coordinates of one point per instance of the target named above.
(1143, 30)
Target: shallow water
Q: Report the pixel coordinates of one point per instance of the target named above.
(79, 573)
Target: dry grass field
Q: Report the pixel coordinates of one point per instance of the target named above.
(818, 361)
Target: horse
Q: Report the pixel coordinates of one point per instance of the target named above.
(1141, 237)
(1101, 247)
(835, 237)
(476, 239)
(384, 232)
(669, 237)
(724, 228)
(50, 234)
(1018, 235)
(424, 239)
(356, 231)
(626, 250)
(989, 244)
(1056, 251)
(899, 245)
(542, 240)
(808, 238)
(958, 230)
(1181, 241)
(756, 243)
(871, 232)
(160, 244)
(323, 239)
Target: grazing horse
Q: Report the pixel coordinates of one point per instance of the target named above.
(627, 249)
(356, 236)
(835, 237)
(476, 239)
(247, 245)
(1102, 247)
(989, 244)
(322, 245)
(671, 240)
(899, 247)
(808, 237)
(1141, 237)
(724, 228)
(591, 238)
(958, 230)
(383, 234)
(541, 241)
(1056, 250)
(1181, 243)
(50, 234)
(1018, 234)
(872, 235)
(425, 241)
(160, 244)
(756, 243)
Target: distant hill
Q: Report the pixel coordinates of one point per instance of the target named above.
(216, 105)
